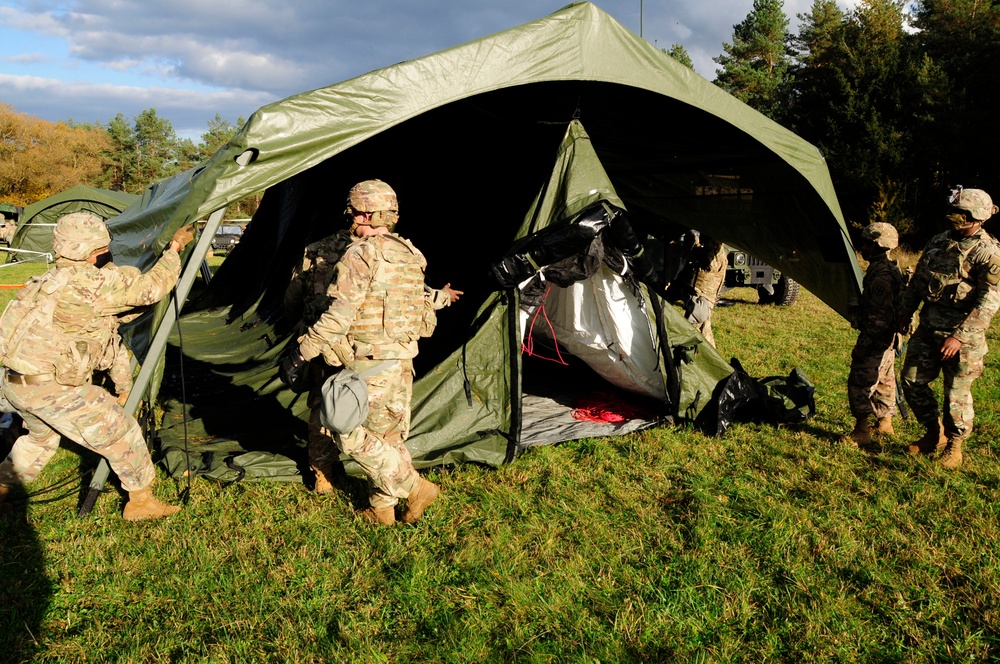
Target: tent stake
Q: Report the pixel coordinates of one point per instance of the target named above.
(157, 346)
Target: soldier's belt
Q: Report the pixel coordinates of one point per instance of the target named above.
(38, 379)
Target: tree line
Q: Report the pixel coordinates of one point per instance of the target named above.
(898, 100)
(896, 95)
(40, 158)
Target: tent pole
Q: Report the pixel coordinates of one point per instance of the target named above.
(157, 346)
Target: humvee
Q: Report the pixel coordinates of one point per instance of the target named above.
(772, 286)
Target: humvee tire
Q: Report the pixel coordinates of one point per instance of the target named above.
(786, 291)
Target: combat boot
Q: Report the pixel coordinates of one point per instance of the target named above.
(324, 485)
(4, 492)
(385, 516)
(952, 456)
(142, 504)
(884, 426)
(860, 437)
(419, 499)
(932, 441)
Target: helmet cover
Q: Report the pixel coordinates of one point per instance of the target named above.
(78, 235)
(974, 201)
(881, 234)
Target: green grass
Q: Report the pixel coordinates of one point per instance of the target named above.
(768, 544)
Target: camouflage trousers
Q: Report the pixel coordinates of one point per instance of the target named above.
(923, 364)
(378, 445)
(87, 415)
(323, 453)
(871, 384)
(698, 311)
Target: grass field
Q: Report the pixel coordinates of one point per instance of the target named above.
(768, 544)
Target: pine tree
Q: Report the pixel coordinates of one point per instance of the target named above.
(680, 54)
(755, 67)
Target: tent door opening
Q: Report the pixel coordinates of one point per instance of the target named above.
(590, 365)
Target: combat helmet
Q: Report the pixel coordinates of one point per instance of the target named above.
(881, 234)
(975, 202)
(78, 235)
(376, 197)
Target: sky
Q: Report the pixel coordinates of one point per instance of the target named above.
(89, 60)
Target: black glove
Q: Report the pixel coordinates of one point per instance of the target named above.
(292, 370)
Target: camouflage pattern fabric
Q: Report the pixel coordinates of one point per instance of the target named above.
(377, 304)
(84, 330)
(87, 415)
(81, 338)
(706, 285)
(377, 308)
(871, 384)
(956, 280)
(378, 446)
(306, 298)
(921, 367)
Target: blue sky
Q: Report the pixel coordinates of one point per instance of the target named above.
(88, 60)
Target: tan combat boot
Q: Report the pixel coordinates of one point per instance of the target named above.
(952, 456)
(324, 485)
(932, 441)
(385, 516)
(142, 504)
(419, 499)
(4, 492)
(884, 426)
(860, 437)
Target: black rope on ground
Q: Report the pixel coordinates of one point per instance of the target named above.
(186, 493)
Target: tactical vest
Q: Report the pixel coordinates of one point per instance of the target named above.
(393, 311)
(949, 282)
(33, 341)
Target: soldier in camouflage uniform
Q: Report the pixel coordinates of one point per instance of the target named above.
(7, 228)
(871, 384)
(707, 281)
(957, 281)
(306, 298)
(378, 308)
(63, 327)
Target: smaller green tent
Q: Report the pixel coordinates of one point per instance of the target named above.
(33, 237)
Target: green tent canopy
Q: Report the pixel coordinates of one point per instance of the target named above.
(34, 230)
(471, 138)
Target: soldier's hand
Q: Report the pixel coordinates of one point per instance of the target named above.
(453, 294)
(183, 237)
(122, 398)
(950, 348)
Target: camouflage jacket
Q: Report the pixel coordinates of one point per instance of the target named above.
(711, 274)
(877, 316)
(83, 333)
(306, 297)
(957, 282)
(378, 304)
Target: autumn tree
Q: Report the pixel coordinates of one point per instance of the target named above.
(755, 67)
(39, 158)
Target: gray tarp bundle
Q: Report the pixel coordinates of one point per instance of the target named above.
(467, 138)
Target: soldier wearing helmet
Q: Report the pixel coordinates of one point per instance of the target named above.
(871, 383)
(374, 309)
(61, 329)
(956, 281)
(708, 275)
